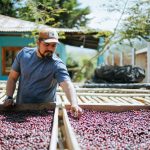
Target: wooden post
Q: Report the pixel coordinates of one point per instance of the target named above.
(148, 62)
(133, 57)
(107, 57)
(121, 58)
(113, 59)
(100, 59)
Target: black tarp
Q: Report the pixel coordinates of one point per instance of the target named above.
(118, 74)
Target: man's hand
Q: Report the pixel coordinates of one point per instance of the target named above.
(71, 95)
(76, 110)
(8, 102)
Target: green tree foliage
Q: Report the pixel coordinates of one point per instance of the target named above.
(56, 13)
(137, 23)
(135, 20)
(7, 7)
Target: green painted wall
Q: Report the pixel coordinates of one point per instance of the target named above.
(61, 50)
(15, 41)
(20, 41)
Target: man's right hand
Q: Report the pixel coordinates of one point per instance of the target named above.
(77, 111)
(8, 102)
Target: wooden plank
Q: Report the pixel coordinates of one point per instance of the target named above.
(143, 100)
(110, 94)
(79, 101)
(61, 99)
(2, 97)
(2, 94)
(122, 100)
(148, 62)
(130, 101)
(15, 94)
(147, 101)
(147, 97)
(58, 98)
(2, 91)
(64, 98)
(91, 99)
(83, 99)
(54, 135)
(101, 100)
(26, 107)
(71, 139)
(111, 90)
(106, 100)
(116, 101)
(136, 101)
(96, 99)
(113, 99)
(2, 88)
(126, 100)
(62, 145)
(112, 108)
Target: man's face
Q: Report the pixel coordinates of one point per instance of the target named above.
(47, 49)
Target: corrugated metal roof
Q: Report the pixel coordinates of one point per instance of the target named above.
(74, 37)
(10, 24)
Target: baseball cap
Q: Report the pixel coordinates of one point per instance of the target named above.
(48, 35)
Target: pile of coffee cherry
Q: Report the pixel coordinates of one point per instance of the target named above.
(96, 130)
(26, 130)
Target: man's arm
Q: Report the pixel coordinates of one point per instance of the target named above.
(70, 92)
(10, 87)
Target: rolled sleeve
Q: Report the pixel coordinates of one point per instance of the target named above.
(61, 73)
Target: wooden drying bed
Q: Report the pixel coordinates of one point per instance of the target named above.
(116, 100)
(71, 138)
(100, 96)
(107, 90)
(42, 106)
(108, 98)
(104, 99)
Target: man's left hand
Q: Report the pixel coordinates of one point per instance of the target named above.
(76, 110)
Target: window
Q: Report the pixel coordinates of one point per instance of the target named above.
(8, 56)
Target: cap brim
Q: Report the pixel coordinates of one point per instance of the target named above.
(51, 41)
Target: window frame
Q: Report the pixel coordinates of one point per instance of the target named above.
(4, 49)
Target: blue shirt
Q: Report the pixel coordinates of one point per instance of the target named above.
(38, 76)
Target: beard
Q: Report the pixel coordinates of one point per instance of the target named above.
(48, 54)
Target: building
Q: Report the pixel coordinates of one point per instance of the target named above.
(125, 55)
(142, 59)
(16, 34)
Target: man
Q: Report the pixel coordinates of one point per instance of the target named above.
(39, 71)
